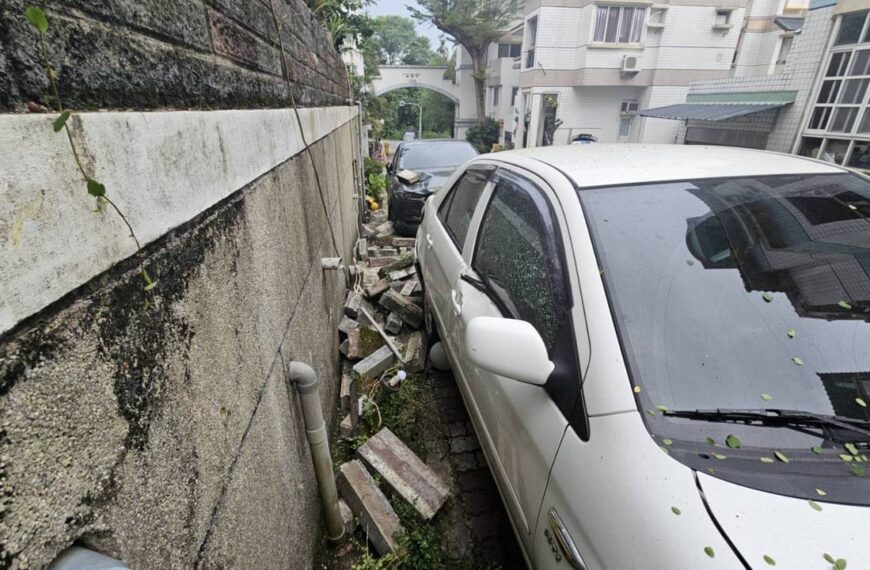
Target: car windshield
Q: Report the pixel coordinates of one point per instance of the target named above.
(440, 154)
(740, 294)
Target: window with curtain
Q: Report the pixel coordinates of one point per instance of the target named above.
(619, 24)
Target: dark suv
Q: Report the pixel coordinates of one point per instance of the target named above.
(434, 161)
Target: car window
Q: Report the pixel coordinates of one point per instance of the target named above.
(515, 253)
(458, 207)
(438, 154)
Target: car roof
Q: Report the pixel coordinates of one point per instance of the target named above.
(617, 164)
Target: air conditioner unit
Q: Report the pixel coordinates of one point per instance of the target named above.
(630, 64)
(629, 108)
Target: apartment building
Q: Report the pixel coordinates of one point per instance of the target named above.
(588, 67)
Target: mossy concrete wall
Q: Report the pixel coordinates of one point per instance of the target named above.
(158, 426)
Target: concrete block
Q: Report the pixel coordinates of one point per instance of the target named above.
(385, 230)
(344, 347)
(347, 517)
(368, 230)
(352, 352)
(411, 314)
(415, 353)
(404, 261)
(346, 429)
(362, 248)
(408, 287)
(348, 398)
(389, 251)
(375, 364)
(376, 289)
(351, 305)
(374, 251)
(393, 324)
(368, 503)
(347, 324)
(401, 273)
(404, 242)
(382, 261)
(405, 473)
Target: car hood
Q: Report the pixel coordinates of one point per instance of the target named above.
(789, 530)
(431, 180)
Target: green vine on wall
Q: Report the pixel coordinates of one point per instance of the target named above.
(95, 188)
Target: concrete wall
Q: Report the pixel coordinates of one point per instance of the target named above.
(157, 426)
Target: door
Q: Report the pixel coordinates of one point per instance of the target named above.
(517, 270)
(444, 238)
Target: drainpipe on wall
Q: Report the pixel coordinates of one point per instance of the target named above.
(303, 377)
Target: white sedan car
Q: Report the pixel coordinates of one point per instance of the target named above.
(665, 351)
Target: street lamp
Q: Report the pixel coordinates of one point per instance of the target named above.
(419, 116)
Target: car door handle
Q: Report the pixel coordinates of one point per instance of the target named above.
(561, 542)
(454, 300)
(429, 241)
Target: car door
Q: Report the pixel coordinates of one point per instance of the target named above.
(444, 236)
(516, 269)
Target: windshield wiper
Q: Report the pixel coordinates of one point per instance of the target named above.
(776, 417)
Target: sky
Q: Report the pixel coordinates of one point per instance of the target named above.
(397, 8)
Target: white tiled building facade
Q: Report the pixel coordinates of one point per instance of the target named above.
(598, 62)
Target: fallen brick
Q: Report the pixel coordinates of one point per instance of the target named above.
(408, 287)
(377, 288)
(408, 242)
(347, 394)
(346, 517)
(415, 353)
(411, 314)
(368, 230)
(376, 363)
(362, 248)
(385, 230)
(377, 517)
(353, 352)
(346, 428)
(351, 304)
(393, 324)
(389, 251)
(343, 347)
(382, 261)
(401, 273)
(373, 250)
(402, 262)
(347, 324)
(404, 472)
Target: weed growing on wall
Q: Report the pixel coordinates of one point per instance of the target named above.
(95, 188)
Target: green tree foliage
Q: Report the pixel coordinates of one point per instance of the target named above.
(344, 19)
(484, 135)
(393, 35)
(473, 24)
(438, 113)
(418, 52)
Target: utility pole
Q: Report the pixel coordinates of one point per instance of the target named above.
(419, 115)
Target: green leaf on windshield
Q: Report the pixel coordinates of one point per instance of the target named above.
(720, 456)
(820, 492)
(711, 441)
(767, 296)
(845, 305)
(709, 551)
(781, 456)
(770, 561)
(851, 448)
(797, 360)
(662, 408)
(816, 449)
(732, 442)
(846, 457)
(840, 564)
(667, 441)
(828, 558)
(791, 333)
(861, 402)
(767, 459)
(766, 397)
(815, 505)
(858, 470)
(676, 511)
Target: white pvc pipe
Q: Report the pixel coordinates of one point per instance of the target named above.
(305, 379)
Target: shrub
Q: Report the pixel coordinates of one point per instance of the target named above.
(483, 135)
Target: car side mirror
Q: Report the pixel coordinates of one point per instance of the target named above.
(508, 347)
(389, 168)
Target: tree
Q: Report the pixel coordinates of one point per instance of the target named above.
(418, 52)
(393, 35)
(473, 24)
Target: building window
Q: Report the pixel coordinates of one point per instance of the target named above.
(785, 44)
(496, 91)
(624, 127)
(514, 91)
(722, 19)
(851, 26)
(531, 36)
(619, 24)
(509, 50)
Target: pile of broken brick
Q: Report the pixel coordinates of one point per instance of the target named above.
(382, 344)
